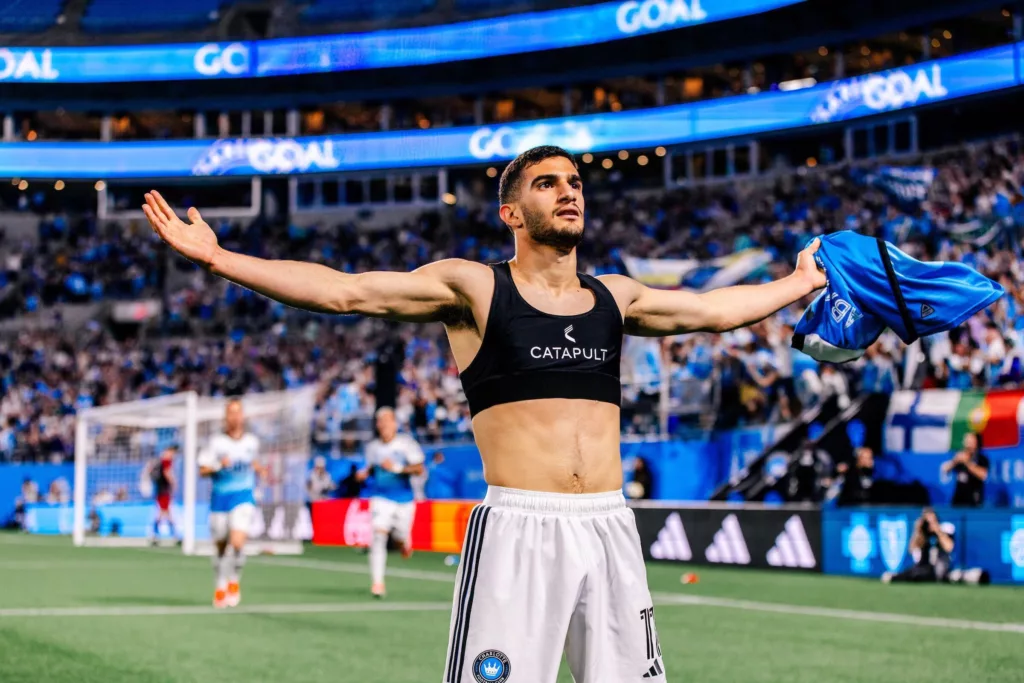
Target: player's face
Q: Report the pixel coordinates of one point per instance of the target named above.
(551, 201)
(387, 426)
(233, 418)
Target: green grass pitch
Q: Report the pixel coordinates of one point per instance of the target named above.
(89, 615)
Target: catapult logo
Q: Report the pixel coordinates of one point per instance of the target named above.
(268, 156)
(881, 92)
(1013, 547)
(860, 543)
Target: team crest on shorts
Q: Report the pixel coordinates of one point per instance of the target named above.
(491, 666)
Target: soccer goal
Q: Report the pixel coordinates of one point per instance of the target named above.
(116, 447)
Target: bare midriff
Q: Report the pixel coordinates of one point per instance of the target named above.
(551, 445)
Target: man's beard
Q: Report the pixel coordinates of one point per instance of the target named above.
(542, 230)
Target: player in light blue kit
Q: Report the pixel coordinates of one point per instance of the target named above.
(391, 459)
(231, 462)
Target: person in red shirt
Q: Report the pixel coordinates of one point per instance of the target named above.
(164, 483)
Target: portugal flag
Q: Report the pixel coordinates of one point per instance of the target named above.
(993, 414)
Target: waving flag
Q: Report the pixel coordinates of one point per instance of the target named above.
(905, 185)
(697, 275)
(935, 421)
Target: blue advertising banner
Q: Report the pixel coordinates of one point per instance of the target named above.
(987, 70)
(127, 520)
(12, 476)
(514, 34)
(870, 541)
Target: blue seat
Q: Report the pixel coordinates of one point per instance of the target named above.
(127, 16)
(364, 10)
(28, 16)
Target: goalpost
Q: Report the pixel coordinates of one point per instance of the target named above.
(115, 445)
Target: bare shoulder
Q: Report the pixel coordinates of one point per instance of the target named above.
(455, 271)
(472, 283)
(625, 289)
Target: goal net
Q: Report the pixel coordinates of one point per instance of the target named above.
(117, 448)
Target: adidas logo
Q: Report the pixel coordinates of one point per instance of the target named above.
(655, 670)
(792, 549)
(926, 310)
(728, 546)
(672, 543)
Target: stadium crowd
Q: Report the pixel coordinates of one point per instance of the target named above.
(217, 338)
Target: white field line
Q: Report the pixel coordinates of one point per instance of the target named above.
(662, 599)
(85, 565)
(356, 568)
(669, 599)
(177, 610)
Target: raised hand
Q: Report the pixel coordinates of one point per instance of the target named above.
(196, 241)
(807, 267)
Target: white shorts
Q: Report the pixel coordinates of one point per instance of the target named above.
(388, 516)
(238, 519)
(542, 573)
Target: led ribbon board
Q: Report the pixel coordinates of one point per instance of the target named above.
(852, 98)
(514, 34)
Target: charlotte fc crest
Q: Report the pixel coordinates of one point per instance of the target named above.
(491, 666)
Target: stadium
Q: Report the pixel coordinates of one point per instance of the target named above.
(791, 340)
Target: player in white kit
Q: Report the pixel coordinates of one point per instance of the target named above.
(231, 462)
(391, 460)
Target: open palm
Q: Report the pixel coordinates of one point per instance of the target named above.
(196, 241)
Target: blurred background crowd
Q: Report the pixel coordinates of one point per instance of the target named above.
(217, 338)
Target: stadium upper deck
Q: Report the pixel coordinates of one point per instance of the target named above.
(611, 39)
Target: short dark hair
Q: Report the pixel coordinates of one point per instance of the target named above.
(508, 186)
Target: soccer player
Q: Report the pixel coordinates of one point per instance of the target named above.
(552, 557)
(161, 472)
(391, 460)
(231, 462)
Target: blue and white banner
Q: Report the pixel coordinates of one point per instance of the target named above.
(908, 185)
(514, 34)
(987, 70)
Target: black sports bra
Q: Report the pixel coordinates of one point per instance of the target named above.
(527, 354)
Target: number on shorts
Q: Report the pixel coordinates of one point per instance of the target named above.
(653, 644)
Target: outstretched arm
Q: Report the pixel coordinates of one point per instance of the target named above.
(425, 295)
(658, 313)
